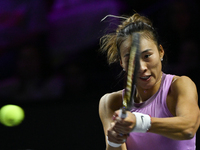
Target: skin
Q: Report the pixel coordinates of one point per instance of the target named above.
(182, 100)
(150, 65)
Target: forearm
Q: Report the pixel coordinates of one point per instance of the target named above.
(178, 128)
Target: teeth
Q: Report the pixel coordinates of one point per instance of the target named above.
(145, 77)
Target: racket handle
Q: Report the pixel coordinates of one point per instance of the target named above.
(122, 113)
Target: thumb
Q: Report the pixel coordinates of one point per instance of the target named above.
(117, 113)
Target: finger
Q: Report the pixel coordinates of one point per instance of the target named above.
(112, 136)
(114, 117)
(122, 123)
(118, 119)
(122, 136)
(122, 131)
(112, 124)
(128, 121)
(121, 128)
(117, 139)
(117, 114)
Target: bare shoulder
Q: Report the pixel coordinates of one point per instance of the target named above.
(109, 103)
(112, 100)
(182, 84)
(182, 91)
(183, 88)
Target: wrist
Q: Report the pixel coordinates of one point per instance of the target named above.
(143, 122)
(112, 143)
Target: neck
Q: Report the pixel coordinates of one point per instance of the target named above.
(144, 94)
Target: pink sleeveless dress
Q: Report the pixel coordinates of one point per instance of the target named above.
(156, 107)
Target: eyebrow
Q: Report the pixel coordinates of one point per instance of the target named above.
(146, 50)
(126, 55)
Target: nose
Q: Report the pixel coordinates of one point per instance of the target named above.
(143, 66)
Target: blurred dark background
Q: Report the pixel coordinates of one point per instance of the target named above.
(51, 67)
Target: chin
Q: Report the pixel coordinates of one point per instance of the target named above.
(147, 86)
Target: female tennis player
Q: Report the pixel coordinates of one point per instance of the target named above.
(165, 113)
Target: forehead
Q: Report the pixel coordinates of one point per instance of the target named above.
(144, 44)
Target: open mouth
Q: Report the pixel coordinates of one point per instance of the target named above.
(145, 78)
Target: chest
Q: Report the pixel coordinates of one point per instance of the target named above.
(159, 106)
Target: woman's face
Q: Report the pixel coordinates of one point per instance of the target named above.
(150, 62)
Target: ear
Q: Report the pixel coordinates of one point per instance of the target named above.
(121, 64)
(161, 51)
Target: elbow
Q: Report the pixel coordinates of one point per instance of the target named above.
(189, 133)
(192, 127)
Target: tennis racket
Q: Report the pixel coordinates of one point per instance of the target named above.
(133, 67)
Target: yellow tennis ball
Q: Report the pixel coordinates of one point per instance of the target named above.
(11, 115)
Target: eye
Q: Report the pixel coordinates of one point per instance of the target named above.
(147, 55)
(126, 59)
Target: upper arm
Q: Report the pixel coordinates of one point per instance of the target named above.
(185, 96)
(108, 104)
(104, 111)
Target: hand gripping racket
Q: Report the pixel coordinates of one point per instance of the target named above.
(133, 67)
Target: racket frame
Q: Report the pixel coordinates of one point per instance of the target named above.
(133, 66)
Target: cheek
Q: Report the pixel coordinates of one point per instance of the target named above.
(155, 63)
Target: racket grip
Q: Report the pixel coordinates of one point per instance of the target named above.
(122, 113)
